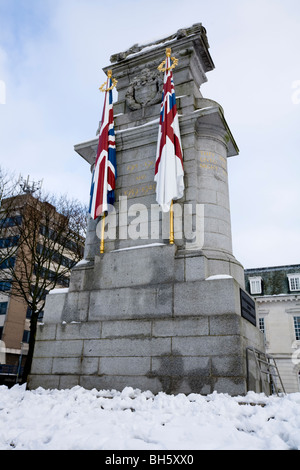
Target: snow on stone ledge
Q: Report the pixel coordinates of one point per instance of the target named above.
(218, 276)
(59, 291)
(138, 247)
(82, 261)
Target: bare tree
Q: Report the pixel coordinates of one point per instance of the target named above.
(50, 235)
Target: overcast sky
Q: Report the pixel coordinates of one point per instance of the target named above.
(51, 57)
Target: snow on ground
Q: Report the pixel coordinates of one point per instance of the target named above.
(80, 419)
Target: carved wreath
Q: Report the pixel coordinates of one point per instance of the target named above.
(144, 90)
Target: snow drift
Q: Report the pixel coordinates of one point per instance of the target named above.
(80, 419)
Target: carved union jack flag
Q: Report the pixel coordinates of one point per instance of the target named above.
(105, 171)
(169, 171)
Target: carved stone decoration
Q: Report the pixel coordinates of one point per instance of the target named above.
(181, 33)
(145, 89)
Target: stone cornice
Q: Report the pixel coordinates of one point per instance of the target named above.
(206, 119)
(197, 31)
(277, 298)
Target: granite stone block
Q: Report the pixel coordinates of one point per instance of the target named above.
(128, 303)
(207, 345)
(71, 348)
(45, 381)
(213, 297)
(66, 365)
(181, 327)
(135, 328)
(84, 330)
(135, 347)
(42, 366)
(46, 331)
(124, 366)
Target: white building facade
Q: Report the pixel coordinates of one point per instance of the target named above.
(277, 294)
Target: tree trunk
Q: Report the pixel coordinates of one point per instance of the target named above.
(28, 362)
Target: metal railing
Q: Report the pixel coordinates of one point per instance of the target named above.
(268, 371)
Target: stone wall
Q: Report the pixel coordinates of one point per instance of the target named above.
(166, 328)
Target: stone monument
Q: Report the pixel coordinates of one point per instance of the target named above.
(146, 313)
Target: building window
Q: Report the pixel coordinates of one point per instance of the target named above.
(255, 285)
(1, 331)
(55, 256)
(261, 324)
(9, 242)
(52, 276)
(294, 282)
(41, 316)
(29, 314)
(26, 336)
(297, 327)
(11, 221)
(8, 263)
(3, 308)
(5, 286)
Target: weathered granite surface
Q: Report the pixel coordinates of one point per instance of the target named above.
(145, 313)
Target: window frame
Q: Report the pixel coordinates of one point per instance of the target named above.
(296, 320)
(8, 263)
(262, 324)
(252, 282)
(26, 336)
(292, 277)
(2, 312)
(5, 286)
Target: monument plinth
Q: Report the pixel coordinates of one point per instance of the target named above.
(145, 313)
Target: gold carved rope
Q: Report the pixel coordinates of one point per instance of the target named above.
(114, 82)
(161, 67)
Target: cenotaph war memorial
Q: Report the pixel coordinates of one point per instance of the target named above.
(158, 302)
